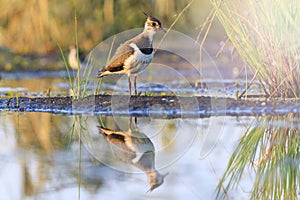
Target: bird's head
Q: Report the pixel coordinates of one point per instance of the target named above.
(155, 179)
(152, 24)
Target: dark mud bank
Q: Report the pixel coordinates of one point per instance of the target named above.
(155, 106)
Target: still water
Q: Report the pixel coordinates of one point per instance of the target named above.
(46, 156)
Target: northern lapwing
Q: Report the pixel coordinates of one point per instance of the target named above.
(135, 54)
(135, 148)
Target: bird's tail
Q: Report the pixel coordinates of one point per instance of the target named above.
(101, 73)
(107, 132)
(104, 131)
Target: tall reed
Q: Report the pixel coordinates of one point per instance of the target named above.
(266, 34)
(271, 150)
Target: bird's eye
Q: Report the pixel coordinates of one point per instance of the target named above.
(153, 23)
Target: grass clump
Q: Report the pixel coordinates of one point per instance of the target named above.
(266, 35)
(272, 152)
(80, 83)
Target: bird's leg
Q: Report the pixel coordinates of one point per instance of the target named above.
(135, 122)
(134, 84)
(129, 85)
(130, 122)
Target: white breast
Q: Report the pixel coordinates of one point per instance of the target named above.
(138, 61)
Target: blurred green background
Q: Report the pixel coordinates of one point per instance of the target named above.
(35, 27)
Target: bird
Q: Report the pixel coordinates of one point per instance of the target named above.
(135, 54)
(136, 148)
(73, 59)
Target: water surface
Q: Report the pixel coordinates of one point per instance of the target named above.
(41, 159)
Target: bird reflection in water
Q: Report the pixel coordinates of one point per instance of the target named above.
(136, 148)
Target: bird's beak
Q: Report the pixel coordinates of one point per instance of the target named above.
(163, 29)
(166, 174)
(152, 188)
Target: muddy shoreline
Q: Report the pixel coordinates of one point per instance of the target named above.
(155, 106)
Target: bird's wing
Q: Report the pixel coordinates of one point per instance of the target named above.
(117, 61)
